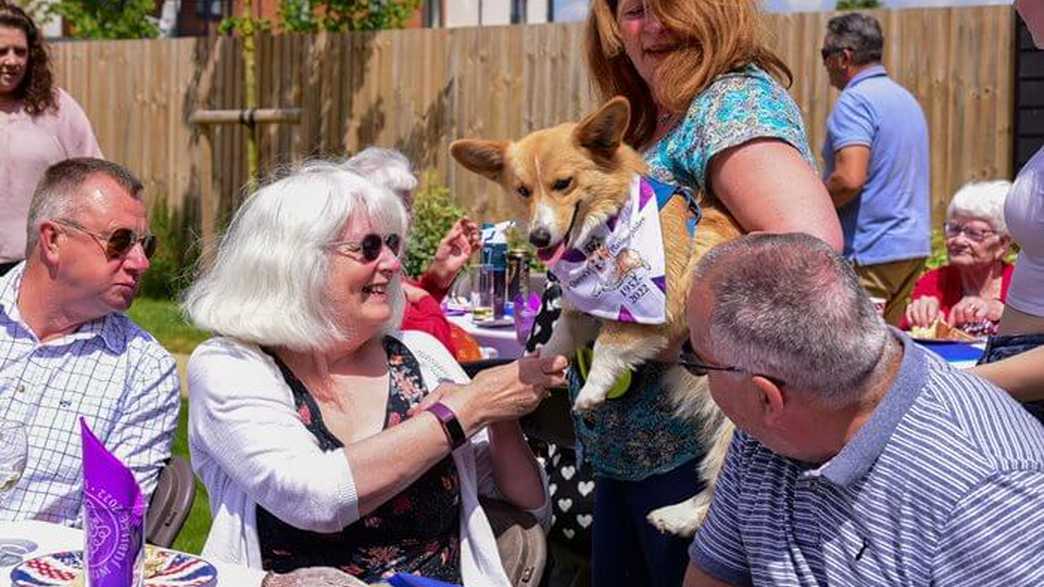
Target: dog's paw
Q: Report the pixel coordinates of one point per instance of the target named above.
(587, 400)
(680, 519)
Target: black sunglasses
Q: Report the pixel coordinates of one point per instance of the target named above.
(370, 246)
(826, 52)
(698, 368)
(117, 243)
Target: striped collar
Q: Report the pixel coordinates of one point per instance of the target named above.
(861, 452)
(107, 327)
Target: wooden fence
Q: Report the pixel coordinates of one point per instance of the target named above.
(417, 90)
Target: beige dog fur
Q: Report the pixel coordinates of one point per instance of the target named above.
(573, 177)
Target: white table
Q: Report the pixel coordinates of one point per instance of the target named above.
(56, 538)
(501, 339)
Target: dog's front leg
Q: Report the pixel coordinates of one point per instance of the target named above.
(619, 348)
(572, 331)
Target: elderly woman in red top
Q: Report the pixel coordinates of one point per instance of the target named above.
(968, 292)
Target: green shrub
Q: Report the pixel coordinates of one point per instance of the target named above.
(171, 266)
(434, 212)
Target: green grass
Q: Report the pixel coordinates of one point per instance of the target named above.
(164, 321)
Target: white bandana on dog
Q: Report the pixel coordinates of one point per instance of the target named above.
(618, 274)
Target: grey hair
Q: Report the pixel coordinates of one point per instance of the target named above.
(859, 32)
(788, 306)
(267, 281)
(58, 195)
(983, 200)
(386, 167)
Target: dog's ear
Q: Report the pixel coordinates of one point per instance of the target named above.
(603, 131)
(485, 158)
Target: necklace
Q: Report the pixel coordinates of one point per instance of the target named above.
(664, 117)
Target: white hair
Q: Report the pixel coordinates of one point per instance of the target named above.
(788, 306)
(984, 201)
(385, 167)
(268, 280)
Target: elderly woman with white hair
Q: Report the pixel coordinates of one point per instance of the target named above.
(326, 437)
(969, 291)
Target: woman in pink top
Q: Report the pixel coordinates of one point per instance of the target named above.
(39, 125)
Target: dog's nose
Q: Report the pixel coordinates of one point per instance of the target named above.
(540, 238)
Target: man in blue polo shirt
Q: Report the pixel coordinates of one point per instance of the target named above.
(877, 167)
(860, 457)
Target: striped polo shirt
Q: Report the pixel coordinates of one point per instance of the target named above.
(944, 484)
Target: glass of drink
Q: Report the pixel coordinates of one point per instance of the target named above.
(482, 294)
(14, 451)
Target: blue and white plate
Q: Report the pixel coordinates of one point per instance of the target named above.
(168, 568)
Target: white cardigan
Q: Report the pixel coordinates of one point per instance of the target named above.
(249, 447)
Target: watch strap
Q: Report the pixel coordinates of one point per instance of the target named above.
(450, 425)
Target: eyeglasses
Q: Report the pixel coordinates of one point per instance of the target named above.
(698, 368)
(826, 52)
(370, 246)
(953, 230)
(117, 243)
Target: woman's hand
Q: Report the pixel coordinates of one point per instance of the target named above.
(413, 293)
(923, 311)
(454, 251)
(506, 392)
(973, 309)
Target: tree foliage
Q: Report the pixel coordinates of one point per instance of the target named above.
(859, 4)
(434, 212)
(108, 19)
(310, 16)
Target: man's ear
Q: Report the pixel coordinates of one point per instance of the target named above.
(602, 131)
(47, 241)
(772, 399)
(485, 158)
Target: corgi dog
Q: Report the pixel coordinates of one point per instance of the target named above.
(575, 178)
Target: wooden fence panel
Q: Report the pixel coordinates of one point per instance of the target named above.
(417, 90)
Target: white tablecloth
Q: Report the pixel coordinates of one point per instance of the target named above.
(500, 339)
(56, 538)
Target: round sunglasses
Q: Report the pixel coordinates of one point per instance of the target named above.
(118, 243)
(370, 246)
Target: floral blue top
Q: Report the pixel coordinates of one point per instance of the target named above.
(637, 435)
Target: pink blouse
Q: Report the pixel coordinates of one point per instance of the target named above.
(28, 146)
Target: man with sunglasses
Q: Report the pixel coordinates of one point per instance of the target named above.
(68, 351)
(860, 458)
(877, 167)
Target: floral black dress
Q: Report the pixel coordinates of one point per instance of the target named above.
(417, 531)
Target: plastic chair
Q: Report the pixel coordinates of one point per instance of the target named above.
(520, 541)
(171, 502)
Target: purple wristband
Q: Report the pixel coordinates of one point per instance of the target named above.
(450, 424)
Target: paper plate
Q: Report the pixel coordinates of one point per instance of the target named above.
(169, 569)
(496, 323)
(930, 341)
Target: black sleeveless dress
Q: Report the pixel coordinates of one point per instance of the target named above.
(417, 531)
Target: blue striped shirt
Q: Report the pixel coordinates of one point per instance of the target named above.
(110, 372)
(944, 484)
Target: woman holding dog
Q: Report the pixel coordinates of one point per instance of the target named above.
(325, 436)
(710, 112)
